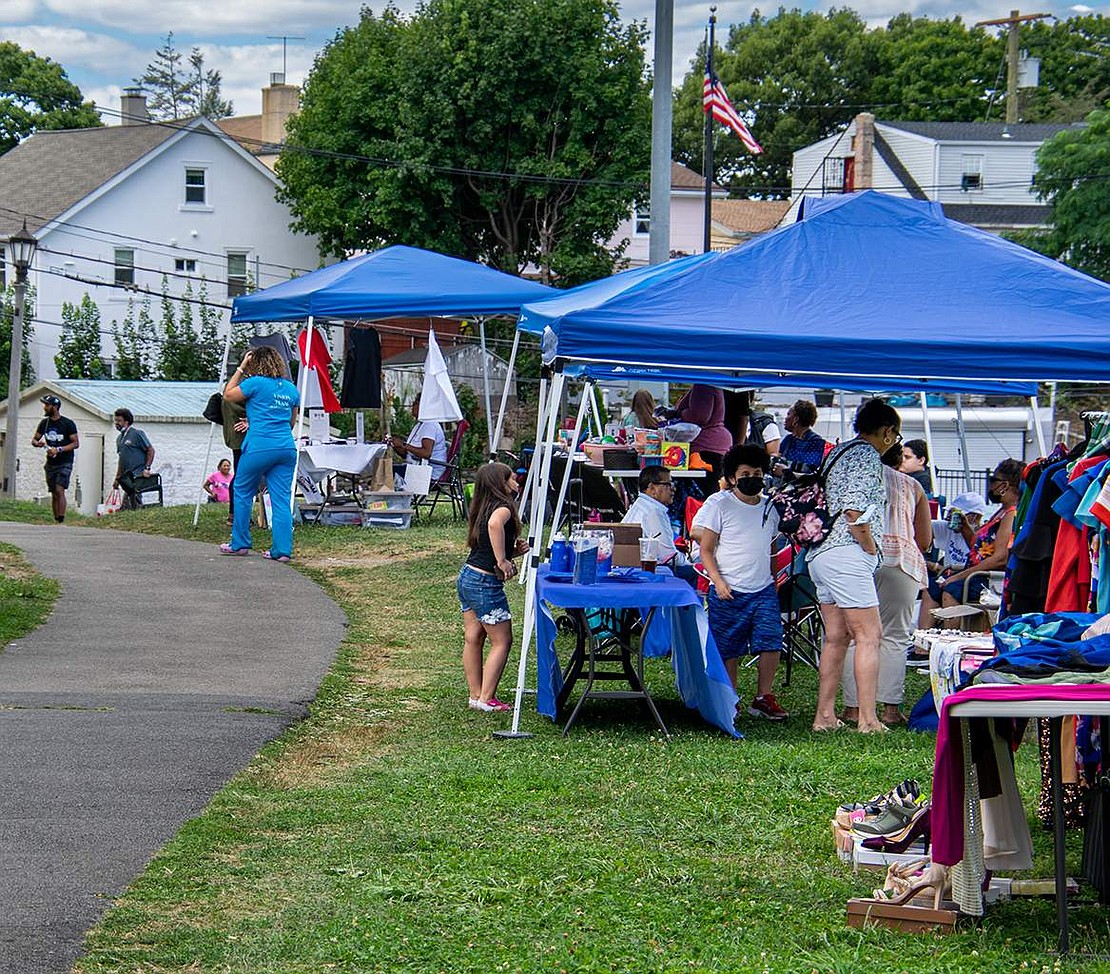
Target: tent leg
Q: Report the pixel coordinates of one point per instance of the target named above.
(495, 445)
(843, 419)
(208, 449)
(541, 459)
(587, 394)
(541, 420)
(961, 432)
(929, 441)
(485, 384)
(595, 412)
(1038, 430)
(303, 383)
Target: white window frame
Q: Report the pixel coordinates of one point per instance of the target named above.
(236, 285)
(125, 265)
(971, 179)
(641, 220)
(206, 204)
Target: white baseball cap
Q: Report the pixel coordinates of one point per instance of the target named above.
(969, 504)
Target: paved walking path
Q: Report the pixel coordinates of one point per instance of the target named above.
(125, 713)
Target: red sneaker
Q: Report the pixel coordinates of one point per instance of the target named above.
(767, 707)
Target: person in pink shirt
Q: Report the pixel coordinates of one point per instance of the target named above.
(217, 486)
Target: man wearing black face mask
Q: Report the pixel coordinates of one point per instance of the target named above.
(737, 526)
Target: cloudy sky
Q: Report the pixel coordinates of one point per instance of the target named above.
(104, 44)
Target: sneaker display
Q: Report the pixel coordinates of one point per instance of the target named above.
(767, 707)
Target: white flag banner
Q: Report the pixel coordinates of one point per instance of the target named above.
(437, 396)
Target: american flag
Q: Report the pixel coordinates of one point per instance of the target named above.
(715, 101)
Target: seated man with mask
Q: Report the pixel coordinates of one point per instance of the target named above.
(649, 510)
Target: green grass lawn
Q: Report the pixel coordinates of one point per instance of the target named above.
(389, 832)
(26, 597)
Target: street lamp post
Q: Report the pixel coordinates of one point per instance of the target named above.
(21, 249)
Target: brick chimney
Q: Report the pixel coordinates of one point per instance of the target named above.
(863, 148)
(279, 101)
(132, 107)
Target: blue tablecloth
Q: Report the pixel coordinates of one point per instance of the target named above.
(699, 673)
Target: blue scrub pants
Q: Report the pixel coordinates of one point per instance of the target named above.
(277, 465)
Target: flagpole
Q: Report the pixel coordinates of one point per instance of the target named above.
(708, 154)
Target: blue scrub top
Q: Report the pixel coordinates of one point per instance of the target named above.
(270, 405)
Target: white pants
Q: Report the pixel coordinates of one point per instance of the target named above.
(897, 594)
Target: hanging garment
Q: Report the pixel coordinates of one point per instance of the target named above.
(1069, 580)
(318, 361)
(1030, 560)
(279, 342)
(362, 370)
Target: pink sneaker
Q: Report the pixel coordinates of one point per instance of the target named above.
(767, 707)
(496, 704)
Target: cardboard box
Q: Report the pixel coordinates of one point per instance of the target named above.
(676, 456)
(626, 542)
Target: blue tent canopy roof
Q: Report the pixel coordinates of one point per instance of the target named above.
(395, 281)
(866, 287)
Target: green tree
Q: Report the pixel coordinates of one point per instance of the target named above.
(1075, 68)
(35, 93)
(79, 346)
(7, 313)
(181, 87)
(131, 352)
(795, 78)
(1073, 174)
(509, 131)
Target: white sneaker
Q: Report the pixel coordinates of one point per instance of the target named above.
(479, 705)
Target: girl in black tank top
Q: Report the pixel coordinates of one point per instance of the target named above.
(493, 535)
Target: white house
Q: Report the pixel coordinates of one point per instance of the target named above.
(687, 218)
(981, 172)
(117, 208)
(168, 412)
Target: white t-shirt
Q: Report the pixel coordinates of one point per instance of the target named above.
(431, 431)
(952, 543)
(745, 532)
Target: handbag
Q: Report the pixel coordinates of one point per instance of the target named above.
(213, 409)
(112, 503)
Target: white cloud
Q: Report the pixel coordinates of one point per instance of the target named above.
(208, 18)
(16, 11)
(71, 47)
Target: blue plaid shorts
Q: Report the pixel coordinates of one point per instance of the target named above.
(747, 624)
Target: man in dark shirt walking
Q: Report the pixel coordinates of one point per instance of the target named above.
(58, 435)
(136, 455)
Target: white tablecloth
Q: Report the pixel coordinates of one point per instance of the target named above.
(323, 459)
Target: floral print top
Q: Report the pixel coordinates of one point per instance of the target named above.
(854, 483)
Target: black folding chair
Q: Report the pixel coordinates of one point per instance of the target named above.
(802, 629)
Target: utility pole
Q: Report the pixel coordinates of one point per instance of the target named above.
(659, 240)
(1013, 55)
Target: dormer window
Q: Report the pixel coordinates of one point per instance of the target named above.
(972, 178)
(196, 189)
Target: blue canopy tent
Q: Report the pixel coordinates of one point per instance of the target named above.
(866, 286)
(867, 291)
(394, 282)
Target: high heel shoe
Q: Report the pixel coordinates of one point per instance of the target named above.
(934, 878)
(917, 827)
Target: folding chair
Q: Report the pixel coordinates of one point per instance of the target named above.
(141, 486)
(449, 484)
(691, 508)
(802, 630)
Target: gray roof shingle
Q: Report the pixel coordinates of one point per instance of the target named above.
(48, 173)
(981, 131)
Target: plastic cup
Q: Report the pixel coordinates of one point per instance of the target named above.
(649, 554)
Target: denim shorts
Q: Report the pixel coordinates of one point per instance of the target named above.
(747, 624)
(484, 595)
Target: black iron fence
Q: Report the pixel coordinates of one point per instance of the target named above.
(950, 483)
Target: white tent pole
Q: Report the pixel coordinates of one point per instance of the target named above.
(929, 441)
(212, 426)
(595, 412)
(496, 444)
(485, 384)
(543, 404)
(543, 457)
(587, 393)
(843, 419)
(961, 432)
(303, 379)
(540, 485)
(1038, 430)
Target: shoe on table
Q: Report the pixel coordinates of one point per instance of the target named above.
(767, 707)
